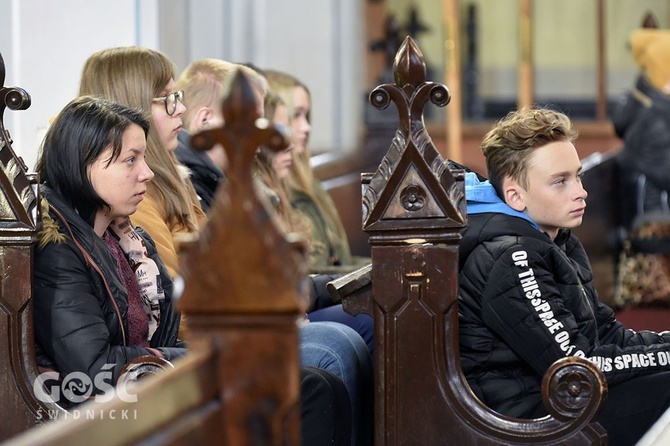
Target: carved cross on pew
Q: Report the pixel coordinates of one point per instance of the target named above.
(414, 208)
(243, 270)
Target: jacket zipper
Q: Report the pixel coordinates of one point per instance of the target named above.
(95, 266)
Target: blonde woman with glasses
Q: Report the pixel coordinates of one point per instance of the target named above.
(143, 78)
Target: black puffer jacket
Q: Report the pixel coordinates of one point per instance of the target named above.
(205, 175)
(80, 300)
(644, 161)
(628, 109)
(526, 301)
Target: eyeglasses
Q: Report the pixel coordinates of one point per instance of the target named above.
(170, 101)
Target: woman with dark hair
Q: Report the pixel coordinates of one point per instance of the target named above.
(102, 294)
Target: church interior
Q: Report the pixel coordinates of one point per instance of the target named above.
(573, 56)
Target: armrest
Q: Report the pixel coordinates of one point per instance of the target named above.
(141, 367)
(352, 284)
(574, 388)
(354, 290)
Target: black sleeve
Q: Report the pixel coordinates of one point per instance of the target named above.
(319, 297)
(70, 326)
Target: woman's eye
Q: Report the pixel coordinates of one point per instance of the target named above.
(130, 161)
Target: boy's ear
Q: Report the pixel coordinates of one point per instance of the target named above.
(202, 119)
(513, 195)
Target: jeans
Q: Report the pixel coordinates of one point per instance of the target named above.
(362, 323)
(338, 349)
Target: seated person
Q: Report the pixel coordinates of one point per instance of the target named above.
(204, 82)
(102, 295)
(650, 49)
(643, 122)
(329, 251)
(526, 294)
(143, 78)
(100, 288)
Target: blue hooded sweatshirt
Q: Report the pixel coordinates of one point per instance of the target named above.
(482, 198)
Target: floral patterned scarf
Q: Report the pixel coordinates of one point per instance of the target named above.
(146, 270)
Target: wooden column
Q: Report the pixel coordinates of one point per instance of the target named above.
(375, 17)
(601, 113)
(454, 116)
(526, 77)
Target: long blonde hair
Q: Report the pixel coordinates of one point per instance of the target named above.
(133, 76)
(266, 173)
(301, 177)
(292, 221)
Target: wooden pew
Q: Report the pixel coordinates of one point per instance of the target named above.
(239, 383)
(19, 222)
(413, 210)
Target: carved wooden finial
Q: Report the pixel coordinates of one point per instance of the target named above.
(412, 182)
(242, 260)
(409, 68)
(410, 91)
(18, 201)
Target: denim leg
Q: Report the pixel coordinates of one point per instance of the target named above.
(338, 349)
(362, 323)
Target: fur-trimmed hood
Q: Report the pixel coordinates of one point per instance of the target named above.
(50, 232)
